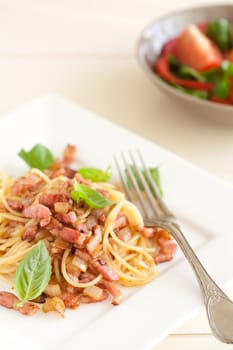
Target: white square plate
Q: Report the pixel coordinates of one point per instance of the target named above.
(202, 203)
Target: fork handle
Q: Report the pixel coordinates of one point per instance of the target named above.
(219, 307)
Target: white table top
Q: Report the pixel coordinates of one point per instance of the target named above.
(84, 50)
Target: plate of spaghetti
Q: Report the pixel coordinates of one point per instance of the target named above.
(74, 252)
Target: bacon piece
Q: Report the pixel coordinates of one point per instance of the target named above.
(71, 301)
(167, 250)
(15, 204)
(53, 225)
(95, 239)
(82, 228)
(87, 300)
(71, 289)
(105, 270)
(55, 228)
(70, 173)
(124, 234)
(102, 219)
(83, 181)
(99, 265)
(38, 211)
(26, 183)
(69, 218)
(91, 222)
(58, 169)
(120, 222)
(100, 215)
(10, 301)
(26, 201)
(114, 290)
(49, 199)
(44, 222)
(71, 235)
(82, 254)
(57, 251)
(28, 309)
(149, 232)
(86, 277)
(69, 154)
(30, 233)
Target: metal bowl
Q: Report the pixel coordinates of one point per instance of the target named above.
(156, 34)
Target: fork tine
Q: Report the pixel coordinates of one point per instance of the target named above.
(123, 181)
(162, 205)
(134, 184)
(153, 203)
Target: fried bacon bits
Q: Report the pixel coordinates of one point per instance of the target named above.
(10, 301)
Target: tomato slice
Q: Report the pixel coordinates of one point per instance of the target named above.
(163, 69)
(194, 49)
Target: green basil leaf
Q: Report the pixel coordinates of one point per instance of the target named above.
(96, 175)
(190, 73)
(212, 75)
(38, 157)
(221, 90)
(194, 92)
(220, 32)
(92, 198)
(227, 68)
(155, 175)
(173, 62)
(33, 273)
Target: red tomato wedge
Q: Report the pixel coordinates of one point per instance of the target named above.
(194, 49)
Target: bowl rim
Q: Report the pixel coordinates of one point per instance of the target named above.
(153, 76)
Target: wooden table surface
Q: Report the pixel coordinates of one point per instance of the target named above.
(85, 50)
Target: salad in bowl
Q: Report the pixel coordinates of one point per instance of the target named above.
(199, 61)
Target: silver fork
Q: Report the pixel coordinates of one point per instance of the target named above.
(219, 307)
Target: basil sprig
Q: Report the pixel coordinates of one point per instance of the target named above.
(96, 175)
(39, 157)
(155, 175)
(92, 198)
(33, 273)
